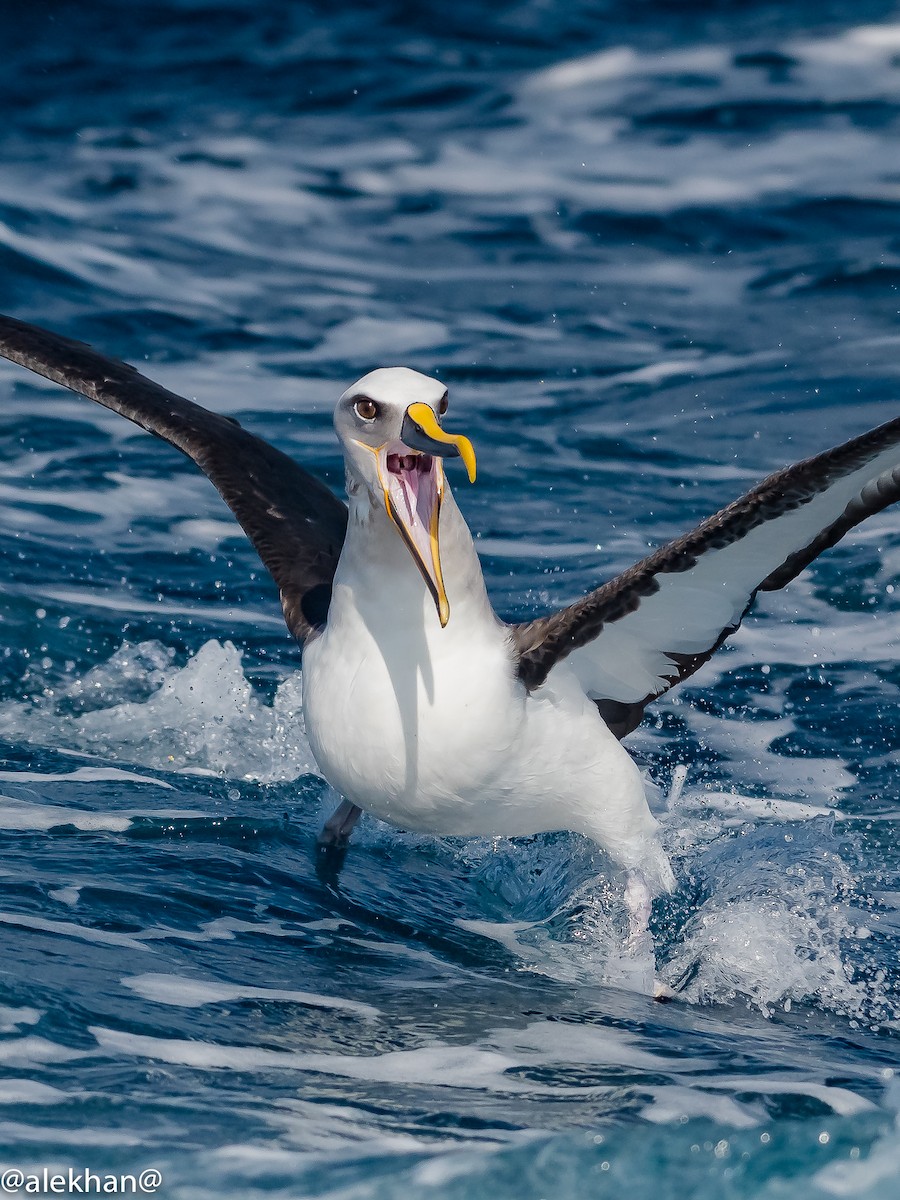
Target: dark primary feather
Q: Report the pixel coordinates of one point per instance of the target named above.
(296, 524)
(868, 465)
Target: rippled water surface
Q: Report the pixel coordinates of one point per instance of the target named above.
(654, 250)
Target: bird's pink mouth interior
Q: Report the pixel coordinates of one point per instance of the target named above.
(412, 482)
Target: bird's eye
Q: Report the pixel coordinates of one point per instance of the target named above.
(442, 407)
(366, 408)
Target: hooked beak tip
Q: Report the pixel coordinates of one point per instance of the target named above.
(421, 431)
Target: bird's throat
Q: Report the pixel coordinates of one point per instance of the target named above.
(413, 487)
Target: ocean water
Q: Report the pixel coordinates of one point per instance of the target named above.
(654, 251)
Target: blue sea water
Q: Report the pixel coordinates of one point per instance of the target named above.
(654, 250)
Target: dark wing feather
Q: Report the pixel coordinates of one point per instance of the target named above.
(296, 524)
(655, 624)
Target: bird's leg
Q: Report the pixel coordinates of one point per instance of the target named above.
(336, 831)
(638, 905)
(633, 966)
(679, 775)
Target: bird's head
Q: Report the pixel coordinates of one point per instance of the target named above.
(389, 423)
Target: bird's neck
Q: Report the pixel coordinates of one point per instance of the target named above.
(378, 581)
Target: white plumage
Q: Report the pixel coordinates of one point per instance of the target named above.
(430, 728)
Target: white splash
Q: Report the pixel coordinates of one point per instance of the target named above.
(83, 775)
(33, 1051)
(204, 717)
(771, 950)
(68, 929)
(29, 1091)
(26, 815)
(12, 1018)
(190, 992)
(860, 1176)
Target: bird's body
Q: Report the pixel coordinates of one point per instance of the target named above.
(397, 709)
(430, 728)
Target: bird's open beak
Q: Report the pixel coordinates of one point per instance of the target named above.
(412, 476)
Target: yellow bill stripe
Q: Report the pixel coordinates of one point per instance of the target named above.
(424, 417)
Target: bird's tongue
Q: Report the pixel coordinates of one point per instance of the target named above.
(413, 486)
(413, 494)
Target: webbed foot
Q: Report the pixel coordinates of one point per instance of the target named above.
(335, 833)
(332, 842)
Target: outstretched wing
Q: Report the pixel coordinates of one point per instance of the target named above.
(296, 524)
(633, 638)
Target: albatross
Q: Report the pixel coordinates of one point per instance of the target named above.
(421, 705)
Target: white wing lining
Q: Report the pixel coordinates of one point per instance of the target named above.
(629, 659)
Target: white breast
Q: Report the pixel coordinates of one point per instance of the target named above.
(406, 719)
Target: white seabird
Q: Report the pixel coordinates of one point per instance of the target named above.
(446, 738)
(421, 705)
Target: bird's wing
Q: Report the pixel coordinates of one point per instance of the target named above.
(637, 635)
(295, 522)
